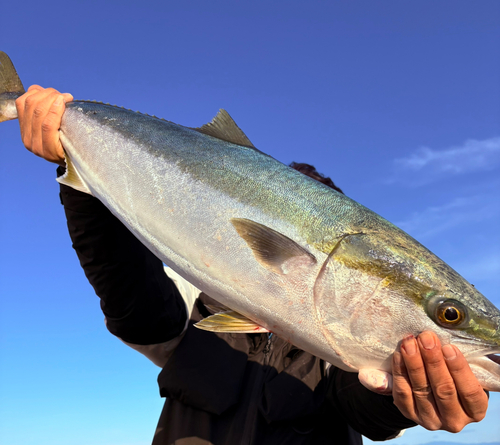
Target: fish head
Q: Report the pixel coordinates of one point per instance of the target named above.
(468, 320)
(377, 287)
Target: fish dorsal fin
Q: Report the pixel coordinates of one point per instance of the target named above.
(271, 249)
(9, 80)
(72, 178)
(224, 127)
(230, 321)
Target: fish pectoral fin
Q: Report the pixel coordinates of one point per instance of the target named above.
(271, 249)
(72, 178)
(230, 321)
(224, 127)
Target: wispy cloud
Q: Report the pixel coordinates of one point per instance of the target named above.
(426, 165)
(486, 267)
(462, 210)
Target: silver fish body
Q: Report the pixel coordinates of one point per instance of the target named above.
(335, 279)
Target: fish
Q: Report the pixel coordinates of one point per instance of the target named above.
(280, 251)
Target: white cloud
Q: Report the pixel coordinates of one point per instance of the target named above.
(436, 219)
(426, 165)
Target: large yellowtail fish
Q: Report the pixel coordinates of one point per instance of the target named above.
(284, 252)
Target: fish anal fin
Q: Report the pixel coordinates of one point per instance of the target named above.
(230, 322)
(224, 127)
(272, 249)
(72, 178)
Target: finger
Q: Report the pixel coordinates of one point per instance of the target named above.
(52, 149)
(421, 387)
(43, 104)
(67, 97)
(376, 380)
(35, 88)
(451, 412)
(401, 388)
(24, 119)
(472, 396)
(35, 106)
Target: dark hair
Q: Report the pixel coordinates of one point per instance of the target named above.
(311, 171)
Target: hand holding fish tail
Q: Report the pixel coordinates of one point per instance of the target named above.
(40, 112)
(434, 386)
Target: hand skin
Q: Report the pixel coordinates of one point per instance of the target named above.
(434, 386)
(40, 112)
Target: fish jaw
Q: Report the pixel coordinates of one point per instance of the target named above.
(487, 371)
(483, 359)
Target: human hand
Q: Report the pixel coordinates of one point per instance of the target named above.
(40, 112)
(434, 386)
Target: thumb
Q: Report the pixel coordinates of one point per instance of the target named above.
(376, 380)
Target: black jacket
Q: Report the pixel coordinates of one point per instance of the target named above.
(220, 389)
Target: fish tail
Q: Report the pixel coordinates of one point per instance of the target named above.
(11, 88)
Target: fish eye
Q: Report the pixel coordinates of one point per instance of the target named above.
(451, 314)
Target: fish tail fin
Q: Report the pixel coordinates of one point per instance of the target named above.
(11, 88)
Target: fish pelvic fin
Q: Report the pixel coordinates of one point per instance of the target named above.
(72, 178)
(224, 127)
(272, 249)
(230, 322)
(11, 88)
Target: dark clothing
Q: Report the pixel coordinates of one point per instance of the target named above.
(221, 389)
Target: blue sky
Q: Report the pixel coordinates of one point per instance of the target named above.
(397, 101)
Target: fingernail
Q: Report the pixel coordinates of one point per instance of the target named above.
(59, 101)
(427, 340)
(449, 352)
(409, 345)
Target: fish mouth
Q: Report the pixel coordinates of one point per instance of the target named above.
(494, 357)
(487, 370)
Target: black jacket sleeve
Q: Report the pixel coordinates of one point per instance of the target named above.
(141, 304)
(373, 415)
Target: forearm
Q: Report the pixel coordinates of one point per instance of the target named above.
(141, 304)
(373, 415)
